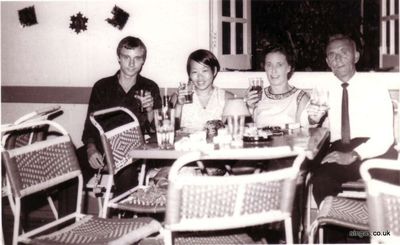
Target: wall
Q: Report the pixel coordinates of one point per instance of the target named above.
(49, 64)
(50, 54)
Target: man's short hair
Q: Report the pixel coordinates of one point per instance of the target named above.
(130, 42)
(344, 37)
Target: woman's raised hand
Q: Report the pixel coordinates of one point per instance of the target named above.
(251, 98)
(181, 97)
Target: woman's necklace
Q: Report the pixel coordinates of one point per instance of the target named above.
(268, 92)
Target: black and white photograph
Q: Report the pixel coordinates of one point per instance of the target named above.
(200, 122)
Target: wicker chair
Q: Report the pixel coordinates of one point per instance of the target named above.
(26, 136)
(117, 143)
(224, 203)
(351, 190)
(383, 201)
(340, 211)
(44, 165)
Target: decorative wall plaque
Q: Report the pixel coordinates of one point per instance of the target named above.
(27, 16)
(78, 23)
(119, 19)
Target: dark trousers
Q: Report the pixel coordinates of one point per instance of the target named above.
(328, 178)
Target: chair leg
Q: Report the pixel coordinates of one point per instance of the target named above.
(16, 221)
(320, 235)
(288, 231)
(168, 237)
(52, 207)
(107, 197)
(142, 174)
(100, 205)
(312, 232)
(308, 212)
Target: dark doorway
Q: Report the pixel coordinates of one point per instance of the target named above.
(306, 25)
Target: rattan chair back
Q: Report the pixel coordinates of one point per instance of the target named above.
(25, 136)
(42, 165)
(199, 203)
(383, 201)
(118, 142)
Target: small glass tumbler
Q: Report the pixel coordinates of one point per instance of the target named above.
(320, 98)
(186, 88)
(165, 127)
(257, 84)
(140, 96)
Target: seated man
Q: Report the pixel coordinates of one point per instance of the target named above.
(121, 89)
(360, 119)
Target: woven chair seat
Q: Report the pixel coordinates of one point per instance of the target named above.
(207, 238)
(151, 199)
(344, 212)
(94, 230)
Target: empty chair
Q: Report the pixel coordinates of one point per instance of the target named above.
(25, 136)
(339, 211)
(117, 143)
(383, 201)
(224, 203)
(46, 164)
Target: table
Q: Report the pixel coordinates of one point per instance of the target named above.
(310, 140)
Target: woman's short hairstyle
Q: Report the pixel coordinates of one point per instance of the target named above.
(205, 57)
(130, 42)
(287, 52)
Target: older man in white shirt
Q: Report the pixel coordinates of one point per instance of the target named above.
(360, 117)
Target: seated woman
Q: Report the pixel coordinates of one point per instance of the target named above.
(208, 100)
(281, 103)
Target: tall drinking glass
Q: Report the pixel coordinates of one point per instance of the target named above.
(320, 98)
(140, 94)
(165, 127)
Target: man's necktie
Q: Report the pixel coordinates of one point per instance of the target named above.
(345, 115)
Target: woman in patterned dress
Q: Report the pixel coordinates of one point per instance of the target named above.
(281, 103)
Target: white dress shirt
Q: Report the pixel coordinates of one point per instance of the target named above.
(370, 111)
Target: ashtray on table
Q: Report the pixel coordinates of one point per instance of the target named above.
(276, 130)
(256, 135)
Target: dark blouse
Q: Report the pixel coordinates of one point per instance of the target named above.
(107, 93)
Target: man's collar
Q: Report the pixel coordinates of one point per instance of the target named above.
(348, 81)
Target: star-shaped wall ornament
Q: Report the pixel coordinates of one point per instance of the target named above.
(120, 17)
(78, 23)
(27, 16)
